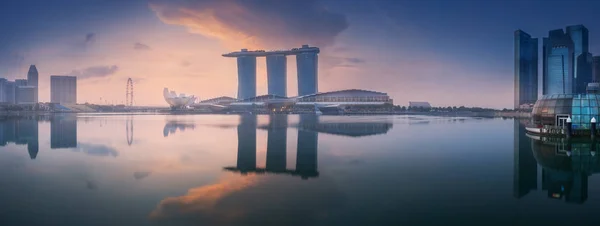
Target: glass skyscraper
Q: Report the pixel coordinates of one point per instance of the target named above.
(596, 68)
(246, 77)
(63, 89)
(567, 61)
(526, 69)
(558, 63)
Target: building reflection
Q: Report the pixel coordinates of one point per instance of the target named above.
(21, 131)
(525, 166)
(309, 127)
(171, 127)
(63, 132)
(565, 165)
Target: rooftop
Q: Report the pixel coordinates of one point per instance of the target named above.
(261, 53)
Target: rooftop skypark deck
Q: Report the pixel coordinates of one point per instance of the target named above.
(263, 53)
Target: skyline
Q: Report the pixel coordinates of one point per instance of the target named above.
(450, 57)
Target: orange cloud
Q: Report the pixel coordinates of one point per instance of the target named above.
(255, 24)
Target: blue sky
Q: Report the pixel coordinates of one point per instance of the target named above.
(457, 52)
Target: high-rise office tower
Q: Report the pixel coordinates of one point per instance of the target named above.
(277, 74)
(596, 68)
(25, 95)
(32, 80)
(246, 77)
(584, 74)
(20, 82)
(63, 89)
(10, 92)
(582, 67)
(3, 82)
(308, 77)
(557, 63)
(526, 69)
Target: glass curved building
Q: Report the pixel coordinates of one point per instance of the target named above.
(554, 109)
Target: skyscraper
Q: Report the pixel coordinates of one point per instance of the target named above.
(246, 77)
(526, 69)
(277, 74)
(596, 68)
(582, 67)
(557, 63)
(32, 80)
(308, 77)
(20, 82)
(3, 82)
(63, 89)
(9, 92)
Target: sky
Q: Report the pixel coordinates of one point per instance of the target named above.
(450, 53)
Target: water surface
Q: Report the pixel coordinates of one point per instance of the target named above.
(289, 170)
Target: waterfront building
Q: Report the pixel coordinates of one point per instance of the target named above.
(63, 89)
(308, 74)
(25, 95)
(277, 74)
(557, 63)
(3, 82)
(554, 110)
(567, 63)
(526, 69)
(32, 80)
(307, 68)
(246, 76)
(596, 68)
(10, 92)
(417, 104)
(21, 82)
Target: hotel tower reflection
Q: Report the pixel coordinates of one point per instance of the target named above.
(306, 156)
(565, 166)
(21, 131)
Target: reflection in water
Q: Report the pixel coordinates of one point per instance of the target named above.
(21, 131)
(63, 132)
(96, 149)
(172, 126)
(566, 166)
(129, 130)
(306, 161)
(525, 166)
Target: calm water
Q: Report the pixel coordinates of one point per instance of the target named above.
(290, 170)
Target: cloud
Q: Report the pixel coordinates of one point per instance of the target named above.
(342, 62)
(95, 72)
(185, 63)
(141, 175)
(141, 46)
(255, 23)
(90, 39)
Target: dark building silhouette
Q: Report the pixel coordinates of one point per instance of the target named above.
(63, 133)
(246, 159)
(526, 69)
(277, 143)
(525, 166)
(21, 131)
(306, 158)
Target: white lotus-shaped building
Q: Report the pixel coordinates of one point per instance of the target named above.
(180, 101)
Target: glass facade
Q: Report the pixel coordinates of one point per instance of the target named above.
(558, 63)
(580, 107)
(584, 72)
(307, 64)
(246, 77)
(277, 74)
(526, 69)
(580, 37)
(596, 68)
